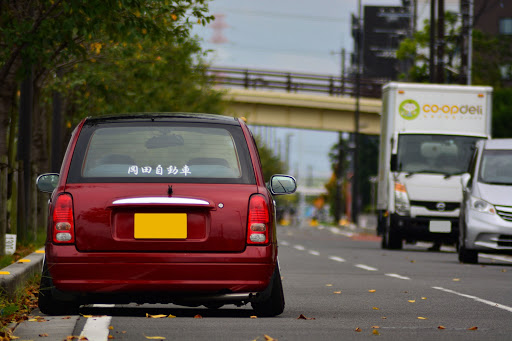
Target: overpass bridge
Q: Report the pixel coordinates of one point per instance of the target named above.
(291, 100)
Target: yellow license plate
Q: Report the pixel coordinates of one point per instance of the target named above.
(160, 226)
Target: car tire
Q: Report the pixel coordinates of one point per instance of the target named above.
(467, 256)
(274, 304)
(47, 302)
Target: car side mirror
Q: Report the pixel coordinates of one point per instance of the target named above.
(282, 184)
(464, 180)
(394, 163)
(47, 182)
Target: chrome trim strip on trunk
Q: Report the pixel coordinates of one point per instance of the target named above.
(161, 200)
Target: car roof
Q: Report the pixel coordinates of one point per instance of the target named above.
(498, 144)
(164, 117)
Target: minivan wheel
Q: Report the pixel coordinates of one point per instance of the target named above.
(467, 256)
(47, 303)
(274, 304)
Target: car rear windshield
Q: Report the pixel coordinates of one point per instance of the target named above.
(161, 152)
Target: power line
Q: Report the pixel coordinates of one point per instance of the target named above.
(282, 15)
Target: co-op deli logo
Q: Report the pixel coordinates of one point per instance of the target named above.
(409, 109)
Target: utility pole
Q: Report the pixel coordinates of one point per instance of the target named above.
(440, 42)
(432, 60)
(339, 180)
(355, 182)
(470, 41)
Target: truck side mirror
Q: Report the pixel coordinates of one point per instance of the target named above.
(464, 180)
(394, 163)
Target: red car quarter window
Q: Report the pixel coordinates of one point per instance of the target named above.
(169, 152)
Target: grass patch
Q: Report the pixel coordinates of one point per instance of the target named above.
(18, 308)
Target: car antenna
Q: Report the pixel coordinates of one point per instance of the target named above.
(169, 190)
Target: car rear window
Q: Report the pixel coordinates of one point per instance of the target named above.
(163, 151)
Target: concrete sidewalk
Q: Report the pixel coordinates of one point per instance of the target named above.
(14, 276)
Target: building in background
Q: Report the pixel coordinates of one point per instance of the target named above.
(493, 16)
(384, 27)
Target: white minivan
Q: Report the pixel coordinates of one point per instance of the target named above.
(486, 209)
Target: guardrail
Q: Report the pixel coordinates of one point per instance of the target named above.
(296, 82)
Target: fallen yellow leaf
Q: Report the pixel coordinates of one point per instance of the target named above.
(375, 332)
(156, 316)
(423, 298)
(154, 337)
(372, 290)
(302, 317)
(328, 285)
(43, 335)
(375, 308)
(375, 327)
(254, 317)
(111, 327)
(171, 316)
(198, 316)
(89, 316)
(24, 260)
(384, 317)
(358, 329)
(411, 301)
(456, 279)
(337, 292)
(269, 338)
(422, 318)
(473, 328)
(441, 327)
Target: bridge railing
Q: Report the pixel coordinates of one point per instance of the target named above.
(296, 82)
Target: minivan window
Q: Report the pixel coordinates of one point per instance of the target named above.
(496, 167)
(165, 152)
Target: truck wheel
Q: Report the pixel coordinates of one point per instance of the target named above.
(47, 303)
(467, 256)
(391, 239)
(274, 304)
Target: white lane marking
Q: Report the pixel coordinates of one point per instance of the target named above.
(96, 328)
(503, 259)
(481, 300)
(284, 243)
(398, 276)
(337, 259)
(365, 267)
(299, 247)
(314, 253)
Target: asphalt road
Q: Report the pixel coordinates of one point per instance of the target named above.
(345, 286)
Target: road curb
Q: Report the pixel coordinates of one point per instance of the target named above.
(16, 275)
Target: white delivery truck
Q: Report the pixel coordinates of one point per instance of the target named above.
(428, 133)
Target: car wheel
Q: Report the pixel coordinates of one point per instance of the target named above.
(47, 303)
(393, 239)
(274, 304)
(467, 256)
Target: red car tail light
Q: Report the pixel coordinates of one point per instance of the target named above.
(63, 224)
(258, 223)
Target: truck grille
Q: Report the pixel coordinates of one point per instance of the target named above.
(432, 205)
(505, 240)
(504, 212)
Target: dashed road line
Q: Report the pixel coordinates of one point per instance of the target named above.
(314, 253)
(337, 259)
(481, 300)
(398, 276)
(96, 328)
(299, 247)
(284, 243)
(366, 267)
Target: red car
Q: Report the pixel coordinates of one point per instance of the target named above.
(162, 208)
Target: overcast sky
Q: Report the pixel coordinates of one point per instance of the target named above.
(291, 35)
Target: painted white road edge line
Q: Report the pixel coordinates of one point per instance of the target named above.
(365, 267)
(96, 328)
(337, 259)
(481, 300)
(398, 276)
(314, 253)
(284, 243)
(299, 247)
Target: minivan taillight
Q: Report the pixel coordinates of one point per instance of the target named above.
(63, 224)
(258, 222)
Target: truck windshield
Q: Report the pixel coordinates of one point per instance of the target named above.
(442, 154)
(496, 167)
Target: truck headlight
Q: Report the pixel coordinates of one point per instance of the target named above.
(480, 205)
(402, 205)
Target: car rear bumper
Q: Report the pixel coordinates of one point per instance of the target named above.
(486, 232)
(171, 273)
